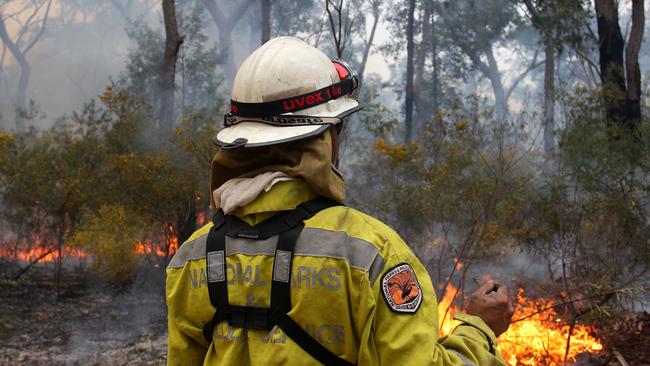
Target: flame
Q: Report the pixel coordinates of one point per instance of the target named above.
(537, 340)
(38, 250)
(45, 254)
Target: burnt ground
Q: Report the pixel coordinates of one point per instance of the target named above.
(88, 324)
(626, 338)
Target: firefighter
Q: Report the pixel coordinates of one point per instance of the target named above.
(286, 274)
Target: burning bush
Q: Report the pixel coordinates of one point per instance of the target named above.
(109, 237)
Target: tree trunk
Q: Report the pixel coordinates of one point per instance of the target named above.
(436, 71)
(23, 80)
(548, 117)
(21, 93)
(611, 46)
(266, 20)
(21, 57)
(187, 225)
(494, 75)
(173, 43)
(632, 71)
(549, 96)
(408, 99)
(366, 51)
(422, 111)
(225, 24)
(59, 259)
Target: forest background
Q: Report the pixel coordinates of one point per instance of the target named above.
(507, 137)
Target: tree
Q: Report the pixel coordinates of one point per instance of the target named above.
(475, 29)
(340, 24)
(408, 98)
(173, 42)
(538, 15)
(225, 24)
(376, 14)
(633, 72)
(266, 20)
(32, 21)
(622, 102)
(425, 41)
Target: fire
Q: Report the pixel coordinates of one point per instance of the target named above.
(40, 253)
(538, 339)
(45, 254)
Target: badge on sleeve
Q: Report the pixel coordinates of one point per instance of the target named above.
(401, 289)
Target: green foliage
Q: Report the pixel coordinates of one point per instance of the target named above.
(473, 191)
(109, 236)
(594, 206)
(473, 179)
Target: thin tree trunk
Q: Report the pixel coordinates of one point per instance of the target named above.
(408, 99)
(422, 111)
(611, 47)
(21, 93)
(548, 118)
(23, 81)
(226, 24)
(549, 97)
(266, 20)
(366, 51)
(59, 259)
(436, 71)
(633, 72)
(21, 57)
(173, 43)
(494, 75)
(186, 226)
(24, 270)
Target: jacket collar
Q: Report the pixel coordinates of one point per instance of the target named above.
(281, 197)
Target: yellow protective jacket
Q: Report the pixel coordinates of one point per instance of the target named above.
(344, 265)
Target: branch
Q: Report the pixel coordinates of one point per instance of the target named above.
(534, 14)
(239, 11)
(42, 31)
(366, 51)
(24, 27)
(13, 47)
(533, 65)
(605, 297)
(33, 262)
(215, 12)
(332, 26)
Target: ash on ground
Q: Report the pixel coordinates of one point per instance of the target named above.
(88, 324)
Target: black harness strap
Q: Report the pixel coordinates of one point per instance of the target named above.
(303, 339)
(216, 273)
(288, 226)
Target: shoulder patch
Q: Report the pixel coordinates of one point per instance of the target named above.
(401, 289)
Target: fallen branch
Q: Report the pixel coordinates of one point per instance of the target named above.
(33, 262)
(605, 294)
(620, 358)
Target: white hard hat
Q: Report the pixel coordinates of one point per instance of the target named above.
(287, 90)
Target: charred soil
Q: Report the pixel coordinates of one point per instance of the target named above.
(86, 324)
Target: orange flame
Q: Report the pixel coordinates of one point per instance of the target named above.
(146, 247)
(537, 340)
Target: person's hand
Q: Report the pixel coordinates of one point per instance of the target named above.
(493, 304)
